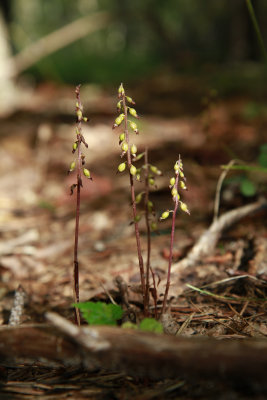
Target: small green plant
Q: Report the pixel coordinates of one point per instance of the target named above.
(250, 181)
(100, 313)
(79, 165)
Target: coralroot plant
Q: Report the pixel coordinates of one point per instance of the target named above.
(78, 165)
(175, 183)
(129, 151)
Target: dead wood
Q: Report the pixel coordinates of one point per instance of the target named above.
(134, 353)
(208, 240)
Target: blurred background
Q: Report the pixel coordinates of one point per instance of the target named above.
(105, 42)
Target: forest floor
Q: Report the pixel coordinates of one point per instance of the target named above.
(37, 221)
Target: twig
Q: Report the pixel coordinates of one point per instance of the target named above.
(57, 40)
(207, 242)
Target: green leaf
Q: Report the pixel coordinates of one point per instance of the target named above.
(248, 188)
(151, 325)
(100, 313)
(262, 159)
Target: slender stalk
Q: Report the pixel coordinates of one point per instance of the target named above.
(170, 258)
(257, 29)
(136, 226)
(76, 288)
(148, 230)
(164, 304)
(155, 293)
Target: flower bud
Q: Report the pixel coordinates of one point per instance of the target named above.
(122, 167)
(181, 174)
(151, 181)
(176, 167)
(172, 181)
(72, 166)
(139, 198)
(121, 91)
(87, 173)
(122, 137)
(118, 120)
(79, 114)
(119, 105)
(182, 184)
(165, 215)
(133, 170)
(130, 100)
(85, 119)
(124, 146)
(174, 192)
(150, 206)
(74, 146)
(153, 169)
(138, 177)
(133, 126)
(133, 149)
(137, 218)
(133, 112)
(77, 104)
(184, 208)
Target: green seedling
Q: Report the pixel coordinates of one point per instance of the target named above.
(100, 313)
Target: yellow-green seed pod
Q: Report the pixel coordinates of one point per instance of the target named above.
(79, 114)
(119, 119)
(181, 174)
(137, 218)
(133, 170)
(74, 146)
(77, 104)
(172, 181)
(150, 206)
(133, 112)
(122, 167)
(130, 100)
(165, 215)
(153, 226)
(133, 149)
(122, 137)
(184, 208)
(85, 119)
(182, 184)
(139, 198)
(176, 167)
(72, 166)
(138, 177)
(124, 146)
(151, 181)
(119, 105)
(133, 126)
(174, 192)
(153, 168)
(86, 173)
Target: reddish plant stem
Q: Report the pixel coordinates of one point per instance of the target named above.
(148, 230)
(155, 293)
(164, 304)
(76, 288)
(136, 226)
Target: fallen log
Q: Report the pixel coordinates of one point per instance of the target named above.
(134, 353)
